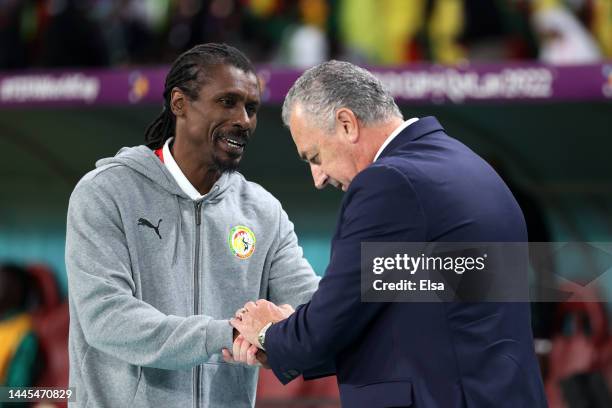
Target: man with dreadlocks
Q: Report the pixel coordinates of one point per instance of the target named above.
(166, 240)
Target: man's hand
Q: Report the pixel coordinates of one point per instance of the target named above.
(244, 352)
(254, 316)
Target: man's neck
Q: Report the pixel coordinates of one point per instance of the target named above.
(375, 136)
(200, 173)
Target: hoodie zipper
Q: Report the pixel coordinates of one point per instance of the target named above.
(196, 295)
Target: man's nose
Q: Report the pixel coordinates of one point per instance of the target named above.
(319, 177)
(242, 118)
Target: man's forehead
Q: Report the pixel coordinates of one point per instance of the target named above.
(304, 135)
(233, 79)
(241, 75)
(298, 117)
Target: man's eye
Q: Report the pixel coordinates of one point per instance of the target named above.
(314, 159)
(251, 109)
(227, 101)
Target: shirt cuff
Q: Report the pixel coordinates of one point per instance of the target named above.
(219, 335)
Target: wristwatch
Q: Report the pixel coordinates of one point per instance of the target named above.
(262, 336)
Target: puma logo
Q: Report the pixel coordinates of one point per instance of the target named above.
(147, 223)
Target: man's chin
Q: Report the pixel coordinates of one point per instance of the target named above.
(227, 165)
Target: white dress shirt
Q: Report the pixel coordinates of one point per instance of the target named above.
(396, 132)
(177, 173)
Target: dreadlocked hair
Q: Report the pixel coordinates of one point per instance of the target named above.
(188, 73)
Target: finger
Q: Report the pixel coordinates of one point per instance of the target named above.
(252, 356)
(237, 324)
(249, 306)
(236, 346)
(243, 327)
(227, 356)
(244, 349)
(247, 320)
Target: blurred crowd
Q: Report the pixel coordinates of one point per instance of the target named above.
(33, 329)
(301, 33)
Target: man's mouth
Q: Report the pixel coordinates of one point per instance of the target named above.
(232, 144)
(335, 184)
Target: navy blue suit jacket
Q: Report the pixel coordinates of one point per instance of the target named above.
(425, 187)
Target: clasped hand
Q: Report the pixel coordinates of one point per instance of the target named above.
(248, 322)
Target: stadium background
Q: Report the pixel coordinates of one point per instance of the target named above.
(553, 150)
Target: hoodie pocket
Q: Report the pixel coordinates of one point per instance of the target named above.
(224, 384)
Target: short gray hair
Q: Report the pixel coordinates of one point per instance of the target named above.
(332, 85)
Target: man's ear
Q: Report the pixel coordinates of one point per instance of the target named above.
(177, 102)
(348, 124)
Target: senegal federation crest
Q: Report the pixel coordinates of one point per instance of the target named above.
(241, 241)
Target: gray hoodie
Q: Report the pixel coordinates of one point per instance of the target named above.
(154, 277)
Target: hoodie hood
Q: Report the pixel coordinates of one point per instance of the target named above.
(144, 161)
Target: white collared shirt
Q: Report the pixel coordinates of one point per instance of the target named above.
(177, 173)
(396, 132)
